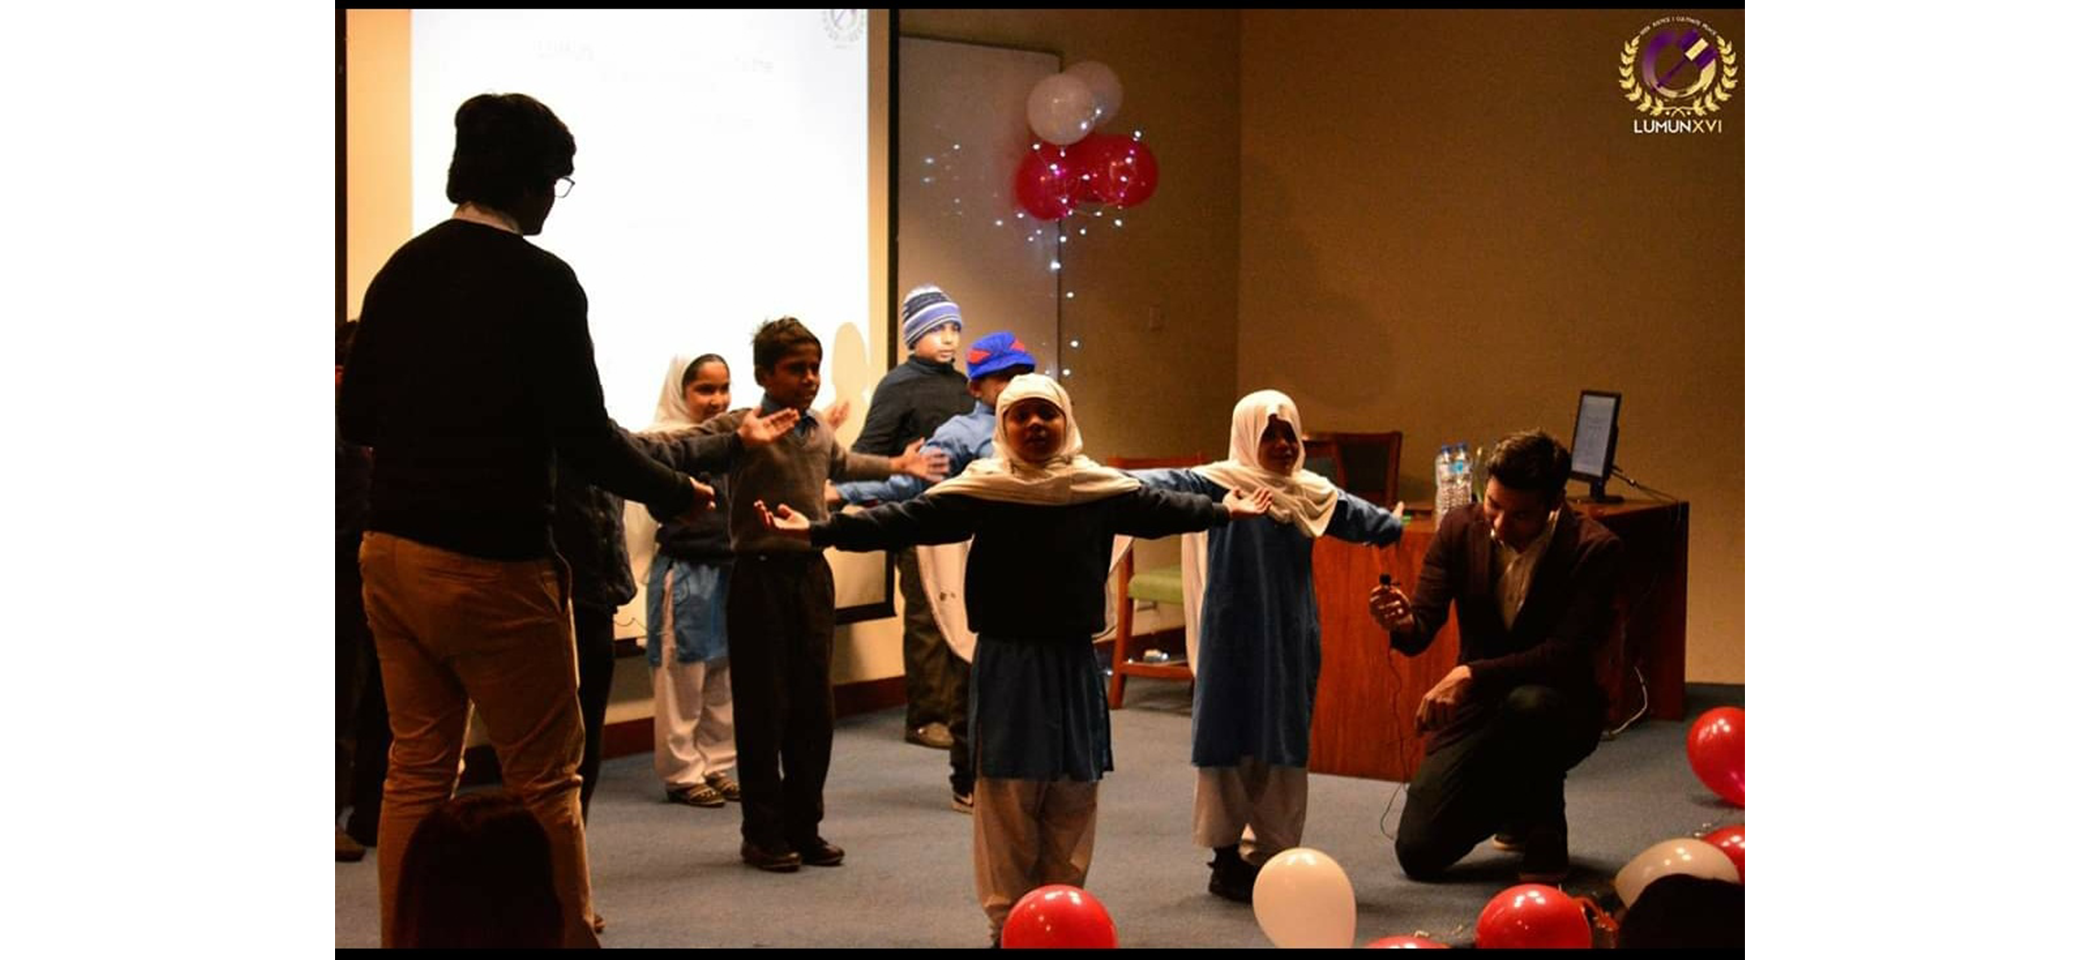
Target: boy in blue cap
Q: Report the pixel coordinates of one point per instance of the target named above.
(992, 362)
(909, 404)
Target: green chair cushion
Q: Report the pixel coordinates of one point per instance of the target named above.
(1160, 585)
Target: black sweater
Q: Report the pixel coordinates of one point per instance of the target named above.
(471, 374)
(910, 403)
(1034, 572)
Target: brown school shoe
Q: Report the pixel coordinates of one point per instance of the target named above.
(818, 852)
(728, 788)
(345, 849)
(698, 795)
(775, 861)
(933, 735)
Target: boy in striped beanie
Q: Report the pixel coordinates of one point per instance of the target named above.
(910, 403)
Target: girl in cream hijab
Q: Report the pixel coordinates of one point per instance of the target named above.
(1260, 640)
(1043, 517)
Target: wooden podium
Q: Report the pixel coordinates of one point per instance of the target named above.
(1365, 704)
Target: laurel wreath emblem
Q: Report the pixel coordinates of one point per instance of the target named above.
(1644, 100)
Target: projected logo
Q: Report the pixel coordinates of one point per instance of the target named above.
(845, 26)
(1677, 67)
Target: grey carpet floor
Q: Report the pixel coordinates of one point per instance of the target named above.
(666, 875)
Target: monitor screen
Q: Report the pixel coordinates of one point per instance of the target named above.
(1595, 435)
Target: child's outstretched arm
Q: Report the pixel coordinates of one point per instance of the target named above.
(891, 525)
(1153, 514)
(1360, 522)
(1179, 481)
(712, 446)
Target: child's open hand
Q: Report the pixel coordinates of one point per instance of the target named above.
(1252, 505)
(917, 462)
(757, 431)
(785, 522)
(703, 501)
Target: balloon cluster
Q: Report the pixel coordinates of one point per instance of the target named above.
(1303, 898)
(1073, 164)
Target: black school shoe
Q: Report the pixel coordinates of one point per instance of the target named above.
(774, 861)
(818, 852)
(1233, 877)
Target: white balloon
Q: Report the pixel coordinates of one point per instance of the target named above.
(1105, 88)
(1303, 899)
(1686, 855)
(1061, 109)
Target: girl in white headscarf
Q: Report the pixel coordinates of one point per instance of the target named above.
(1043, 517)
(685, 567)
(1260, 639)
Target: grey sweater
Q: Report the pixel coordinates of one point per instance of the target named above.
(790, 470)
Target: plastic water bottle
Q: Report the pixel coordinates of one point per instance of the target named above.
(1462, 477)
(1445, 490)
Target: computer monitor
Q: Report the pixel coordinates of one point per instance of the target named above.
(1595, 442)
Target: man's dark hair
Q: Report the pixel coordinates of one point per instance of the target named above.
(343, 341)
(1531, 460)
(478, 873)
(694, 368)
(777, 338)
(506, 145)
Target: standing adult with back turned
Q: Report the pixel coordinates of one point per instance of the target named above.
(472, 374)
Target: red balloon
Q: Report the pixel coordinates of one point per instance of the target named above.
(1046, 183)
(1405, 943)
(1121, 170)
(1719, 754)
(1062, 917)
(1734, 841)
(1532, 916)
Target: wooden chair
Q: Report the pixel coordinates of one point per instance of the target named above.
(1366, 464)
(1157, 585)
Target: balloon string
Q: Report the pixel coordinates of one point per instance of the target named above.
(1602, 919)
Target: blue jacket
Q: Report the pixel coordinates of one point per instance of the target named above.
(965, 439)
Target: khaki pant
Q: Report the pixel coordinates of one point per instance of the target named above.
(1028, 834)
(695, 733)
(1260, 807)
(452, 629)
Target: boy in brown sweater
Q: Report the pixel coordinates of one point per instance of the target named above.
(781, 601)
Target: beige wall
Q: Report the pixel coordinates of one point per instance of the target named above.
(1448, 228)
(1142, 392)
(379, 143)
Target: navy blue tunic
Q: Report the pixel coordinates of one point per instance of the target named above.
(1035, 598)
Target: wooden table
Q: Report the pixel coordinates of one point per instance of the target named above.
(1364, 717)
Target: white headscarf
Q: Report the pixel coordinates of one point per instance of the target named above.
(672, 412)
(638, 527)
(1303, 498)
(1067, 478)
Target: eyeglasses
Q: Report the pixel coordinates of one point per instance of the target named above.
(563, 187)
